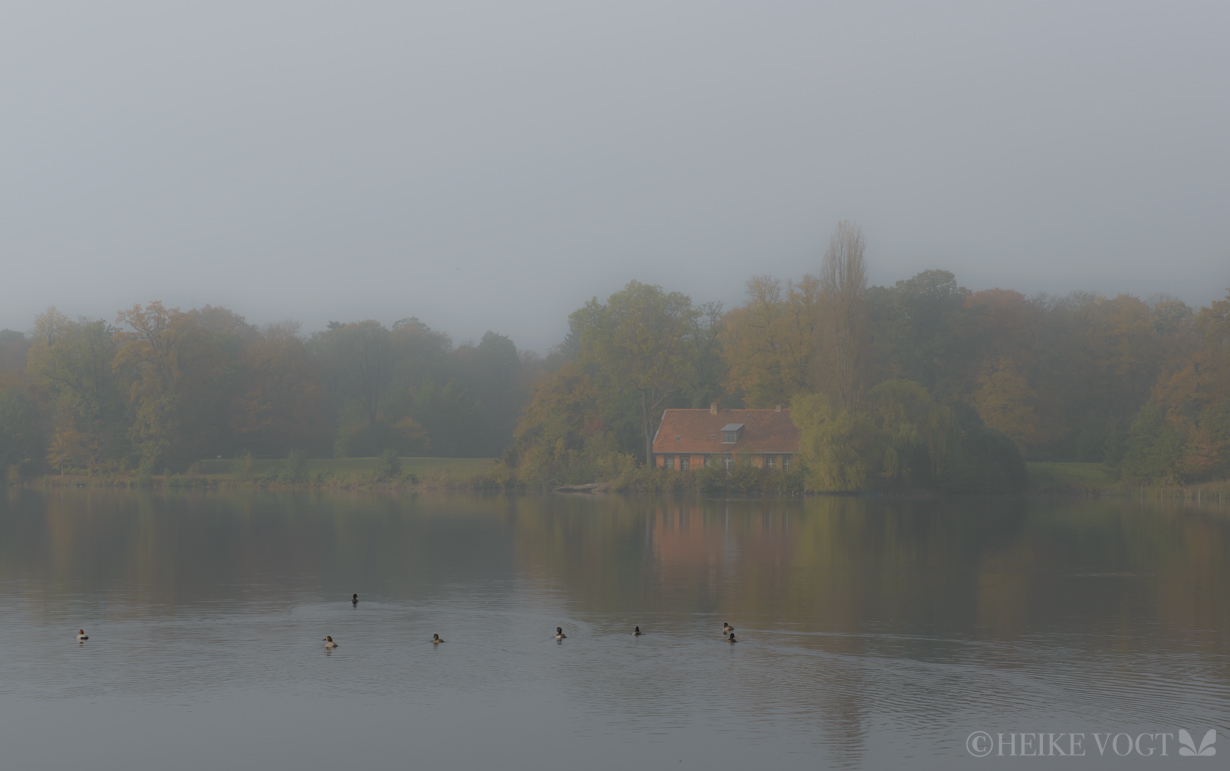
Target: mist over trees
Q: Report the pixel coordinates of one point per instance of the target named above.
(162, 388)
(921, 383)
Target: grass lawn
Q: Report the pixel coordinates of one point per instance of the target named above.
(1067, 477)
(346, 466)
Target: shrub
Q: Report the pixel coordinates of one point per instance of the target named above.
(296, 468)
(389, 466)
(244, 464)
(145, 473)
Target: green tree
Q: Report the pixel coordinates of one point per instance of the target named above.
(73, 360)
(277, 403)
(921, 332)
(21, 437)
(911, 430)
(834, 444)
(1154, 448)
(639, 342)
(363, 361)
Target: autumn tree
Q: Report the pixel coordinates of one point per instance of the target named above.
(843, 346)
(1005, 402)
(561, 435)
(66, 448)
(173, 367)
(73, 361)
(277, 405)
(769, 342)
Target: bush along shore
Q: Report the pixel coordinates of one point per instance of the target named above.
(392, 472)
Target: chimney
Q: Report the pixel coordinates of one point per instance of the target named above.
(779, 408)
(713, 408)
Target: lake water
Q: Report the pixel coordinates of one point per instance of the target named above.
(874, 633)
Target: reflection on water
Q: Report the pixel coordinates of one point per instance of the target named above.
(873, 633)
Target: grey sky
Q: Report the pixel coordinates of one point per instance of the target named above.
(495, 164)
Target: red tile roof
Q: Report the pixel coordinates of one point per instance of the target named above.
(700, 431)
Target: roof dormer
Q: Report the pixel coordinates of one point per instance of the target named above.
(731, 432)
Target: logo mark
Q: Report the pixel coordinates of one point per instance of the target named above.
(1207, 750)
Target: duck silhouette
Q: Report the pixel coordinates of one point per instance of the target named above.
(354, 600)
(559, 633)
(727, 628)
(731, 638)
(435, 638)
(329, 644)
(637, 632)
(81, 635)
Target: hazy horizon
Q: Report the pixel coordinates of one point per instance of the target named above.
(490, 167)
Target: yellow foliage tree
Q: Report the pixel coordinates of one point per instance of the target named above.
(1005, 402)
(66, 448)
(768, 343)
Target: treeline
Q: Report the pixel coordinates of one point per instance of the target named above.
(162, 388)
(920, 384)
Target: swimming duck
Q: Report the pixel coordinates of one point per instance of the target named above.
(329, 644)
(731, 638)
(435, 638)
(354, 600)
(559, 633)
(81, 635)
(637, 632)
(727, 628)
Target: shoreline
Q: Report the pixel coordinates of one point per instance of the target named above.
(1208, 493)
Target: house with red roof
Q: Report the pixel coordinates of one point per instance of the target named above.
(689, 439)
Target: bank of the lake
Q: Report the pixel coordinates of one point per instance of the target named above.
(1051, 479)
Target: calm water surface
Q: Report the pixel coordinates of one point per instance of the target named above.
(873, 633)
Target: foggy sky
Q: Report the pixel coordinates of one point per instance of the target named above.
(492, 165)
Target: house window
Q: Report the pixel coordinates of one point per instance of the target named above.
(668, 462)
(730, 437)
(730, 461)
(785, 463)
(768, 461)
(684, 462)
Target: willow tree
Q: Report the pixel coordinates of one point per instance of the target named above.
(835, 444)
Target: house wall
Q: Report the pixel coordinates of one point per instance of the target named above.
(696, 461)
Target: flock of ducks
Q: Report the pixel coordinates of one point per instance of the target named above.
(728, 632)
